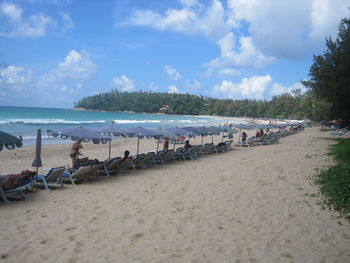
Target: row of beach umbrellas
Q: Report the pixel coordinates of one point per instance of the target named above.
(104, 135)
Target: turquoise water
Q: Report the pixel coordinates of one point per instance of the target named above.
(24, 121)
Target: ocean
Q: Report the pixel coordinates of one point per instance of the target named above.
(24, 121)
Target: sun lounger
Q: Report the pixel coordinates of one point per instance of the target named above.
(11, 185)
(209, 148)
(177, 153)
(53, 176)
(111, 165)
(148, 160)
(77, 175)
(124, 165)
(137, 161)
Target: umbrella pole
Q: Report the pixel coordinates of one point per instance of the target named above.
(157, 144)
(202, 140)
(138, 145)
(222, 138)
(212, 139)
(109, 150)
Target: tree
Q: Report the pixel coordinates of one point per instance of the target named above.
(330, 78)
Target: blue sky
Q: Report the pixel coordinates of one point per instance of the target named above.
(54, 52)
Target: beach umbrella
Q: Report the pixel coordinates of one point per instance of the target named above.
(198, 130)
(166, 133)
(77, 133)
(241, 126)
(10, 141)
(228, 130)
(37, 161)
(141, 132)
(179, 131)
(109, 130)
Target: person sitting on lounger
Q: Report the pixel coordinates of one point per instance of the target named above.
(257, 135)
(126, 155)
(74, 154)
(187, 144)
(244, 136)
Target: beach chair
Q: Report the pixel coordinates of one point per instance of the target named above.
(96, 170)
(148, 160)
(190, 153)
(77, 175)
(18, 189)
(138, 160)
(124, 166)
(53, 176)
(208, 148)
(158, 158)
(167, 156)
(177, 153)
(112, 164)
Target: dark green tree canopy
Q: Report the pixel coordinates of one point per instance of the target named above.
(330, 74)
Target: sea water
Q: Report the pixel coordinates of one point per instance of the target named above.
(24, 121)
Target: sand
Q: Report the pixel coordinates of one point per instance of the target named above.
(247, 205)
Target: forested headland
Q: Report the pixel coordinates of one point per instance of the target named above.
(327, 96)
(283, 106)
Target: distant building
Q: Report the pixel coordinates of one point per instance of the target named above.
(165, 107)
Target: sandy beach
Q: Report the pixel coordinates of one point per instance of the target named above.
(247, 205)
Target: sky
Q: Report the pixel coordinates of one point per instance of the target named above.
(55, 52)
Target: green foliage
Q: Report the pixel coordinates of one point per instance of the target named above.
(335, 181)
(330, 78)
(283, 106)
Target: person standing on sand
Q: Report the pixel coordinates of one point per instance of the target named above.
(166, 144)
(74, 154)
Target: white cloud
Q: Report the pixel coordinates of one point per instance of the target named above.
(32, 26)
(192, 85)
(193, 18)
(67, 22)
(229, 72)
(172, 73)
(256, 87)
(231, 58)
(173, 89)
(287, 28)
(14, 80)
(123, 83)
(153, 86)
(75, 68)
(189, 3)
(325, 17)
(252, 32)
(15, 24)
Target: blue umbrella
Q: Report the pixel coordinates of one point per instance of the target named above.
(165, 133)
(241, 126)
(140, 132)
(109, 130)
(37, 161)
(202, 131)
(77, 133)
(179, 131)
(10, 141)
